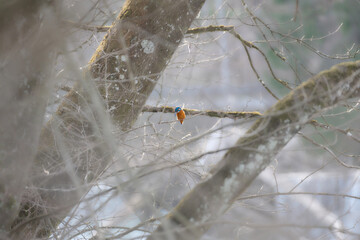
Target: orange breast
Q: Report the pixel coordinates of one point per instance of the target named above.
(181, 116)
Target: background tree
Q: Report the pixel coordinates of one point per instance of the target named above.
(101, 171)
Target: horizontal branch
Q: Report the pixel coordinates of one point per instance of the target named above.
(210, 28)
(191, 112)
(209, 113)
(298, 193)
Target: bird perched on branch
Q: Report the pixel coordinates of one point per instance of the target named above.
(180, 114)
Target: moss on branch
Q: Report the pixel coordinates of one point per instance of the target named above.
(209, 113)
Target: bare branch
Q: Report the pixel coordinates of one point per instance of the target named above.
(207, 29)
(330, 152)
(298, 193)
(257, 74)
(346, 132)
(296, 11)
(209, 113)
(87, 27)
(210, 28)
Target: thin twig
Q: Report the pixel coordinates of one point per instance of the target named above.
(231, 30)
(257, 74)
(298, 193)
(87, 27)
(346, 132)
(251, 45)
(296, 10)
(135, 228)
(210, 28)
(312, 173)
(329, 151)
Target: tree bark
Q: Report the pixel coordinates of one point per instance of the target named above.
(253, 152)
(75, 146)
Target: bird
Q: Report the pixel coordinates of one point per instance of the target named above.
(180, 114)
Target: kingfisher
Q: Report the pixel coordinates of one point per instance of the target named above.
(180, 114)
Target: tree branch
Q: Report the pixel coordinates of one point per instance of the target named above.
(209, 113)
(191, 112)
(87, 27)
(254, 151)
(211, 28)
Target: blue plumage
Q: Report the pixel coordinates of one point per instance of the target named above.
(180, 114)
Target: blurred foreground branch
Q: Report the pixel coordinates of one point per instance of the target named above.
(76, 145)
(253, 152)
(26, 83)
